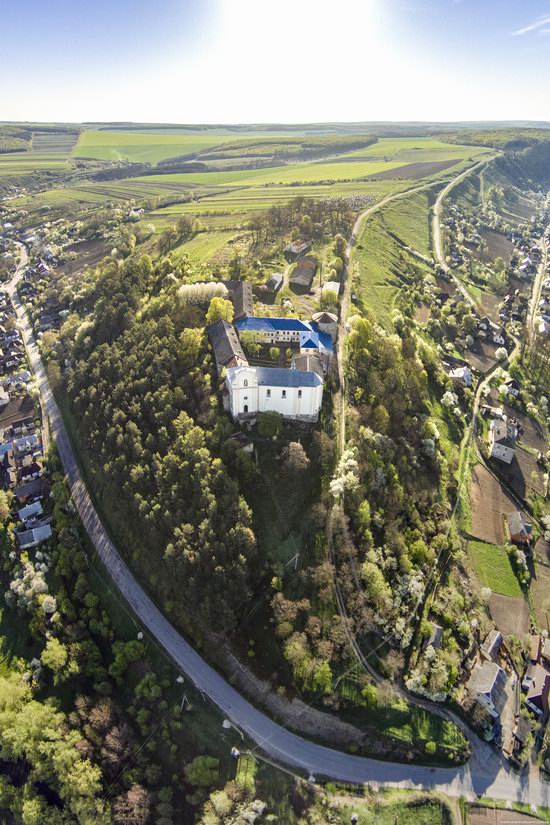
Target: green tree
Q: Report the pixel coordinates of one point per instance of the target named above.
(4, 506)
(203, 771)
(55, 656)
(270, 424)
(219, 309)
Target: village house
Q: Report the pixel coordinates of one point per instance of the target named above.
(502, 441)
(486, 685)
(537, 684)
(326, 322)
(519, 530)
(240, 295)
(303, 273)
(241, 442)
(520, 739)
(228, 351)
(500, 337)
(34, 536)
(491, 645)
(512, 387)
(486, 325)
(30, 512)
(292, 393)
(295, 250)
(462, 376)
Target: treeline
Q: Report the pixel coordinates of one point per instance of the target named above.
(14, 139)
(140, 386)
(512, 140)
(309, 218)
(529, 167)
(280, 149)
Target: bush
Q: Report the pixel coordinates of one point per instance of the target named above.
(270, 424)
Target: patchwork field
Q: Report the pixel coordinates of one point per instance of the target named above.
(49, 152)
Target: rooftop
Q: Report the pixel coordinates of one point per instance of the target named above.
(273, 325)
(225, 343)
(279, 377)
(484, 678)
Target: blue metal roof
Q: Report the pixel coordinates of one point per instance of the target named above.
(279, 377)
(309, 340)
(273, 325)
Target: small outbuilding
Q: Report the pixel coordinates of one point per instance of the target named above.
(274, 282)
(519, 529)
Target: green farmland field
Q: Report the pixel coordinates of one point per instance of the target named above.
(143, 147)
(415, 149)
(493, 568)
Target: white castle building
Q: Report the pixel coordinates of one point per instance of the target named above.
(292, 393)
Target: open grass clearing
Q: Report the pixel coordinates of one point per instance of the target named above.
(493, 568)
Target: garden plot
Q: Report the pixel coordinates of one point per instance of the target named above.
(523, 475)
(482, 355)
(498, 246)
(488, 503)
(540, 594)
(542, 551)
(510, 614)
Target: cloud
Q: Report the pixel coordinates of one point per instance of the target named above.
(537, 26)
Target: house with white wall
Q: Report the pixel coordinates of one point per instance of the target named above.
(295, 394)
(502, 441)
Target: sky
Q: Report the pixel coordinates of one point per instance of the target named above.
(269, 61)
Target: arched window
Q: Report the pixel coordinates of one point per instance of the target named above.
(245, 382)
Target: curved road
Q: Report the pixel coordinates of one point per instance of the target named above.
(275, 741)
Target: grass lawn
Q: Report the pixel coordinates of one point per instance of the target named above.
(422, 810)
(493, 568)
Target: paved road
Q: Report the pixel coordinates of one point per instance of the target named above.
(276, 742)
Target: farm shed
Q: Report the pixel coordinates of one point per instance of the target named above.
(274, 283)
(304, 273)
